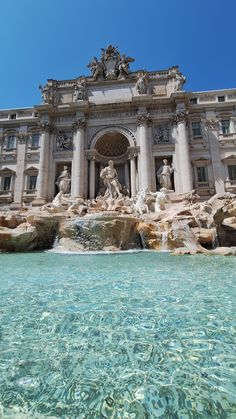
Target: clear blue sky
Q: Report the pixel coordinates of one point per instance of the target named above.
(43, 39)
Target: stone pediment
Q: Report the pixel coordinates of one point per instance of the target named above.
(7, 170)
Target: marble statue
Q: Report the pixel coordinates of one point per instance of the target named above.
(47, 96)
(96, 67)
(63, 181)
(140, 206)
(123, 64)
(141, 85)
(180, 80)
(80, 91)
(111, 65)
(110, 179)
(161, 199)
(164, 175)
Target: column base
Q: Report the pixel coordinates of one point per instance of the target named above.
(16, 206)
(38, 202)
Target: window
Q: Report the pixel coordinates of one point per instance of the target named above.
(6, 183)
(225, 126)
(202, 175)
(10, 142)
(221, 98)
(13, 116)
(193, 101)
(232, 172)
(196, 129)
(32, 182)
(35, 140)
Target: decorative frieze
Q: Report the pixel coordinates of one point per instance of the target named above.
(64, 141)
(161, 134)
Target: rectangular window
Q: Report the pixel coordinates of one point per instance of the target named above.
(193, 101)
(225, 126)
(35, 141)
(6, 184)
(232, 172)
(202, 175)
(221, 98)
(10, 142)
(32, 182)
(196, 128)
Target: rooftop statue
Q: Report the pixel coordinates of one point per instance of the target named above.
(112, 64)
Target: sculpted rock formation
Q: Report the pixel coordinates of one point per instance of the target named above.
(158, 221)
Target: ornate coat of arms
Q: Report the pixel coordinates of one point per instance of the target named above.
(111, 66)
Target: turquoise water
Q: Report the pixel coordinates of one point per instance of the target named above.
(139, 335)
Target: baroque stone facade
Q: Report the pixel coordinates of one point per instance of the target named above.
(137, 119)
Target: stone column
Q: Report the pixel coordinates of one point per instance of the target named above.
(232, 125)
(212, 127)
(19, 181)
(176, 161)
(42, 182)
(127, 176)
(91, 158)
(77, 179)
(133, 152)
(183, 163)
(144, 155)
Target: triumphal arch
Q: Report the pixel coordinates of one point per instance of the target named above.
(136, 118)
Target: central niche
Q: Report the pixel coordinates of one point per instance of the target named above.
(112, 144)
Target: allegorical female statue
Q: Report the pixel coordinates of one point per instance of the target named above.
(63, 181)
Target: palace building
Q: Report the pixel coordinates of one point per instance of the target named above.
(137, 119)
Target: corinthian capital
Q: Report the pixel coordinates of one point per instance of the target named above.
(46, 127)
(180, 117)
(22, 137)
(79, 124)
(212, 123)
(143, 119)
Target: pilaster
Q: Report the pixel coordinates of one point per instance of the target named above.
(19, 181)
(212, 127)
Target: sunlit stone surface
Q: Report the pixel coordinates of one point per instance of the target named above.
(136, 335)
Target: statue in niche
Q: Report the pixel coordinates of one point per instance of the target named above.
(164, 175)
(110, 179)
(63, 181)
(80, 91)
(96, 67)
(141, 84)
